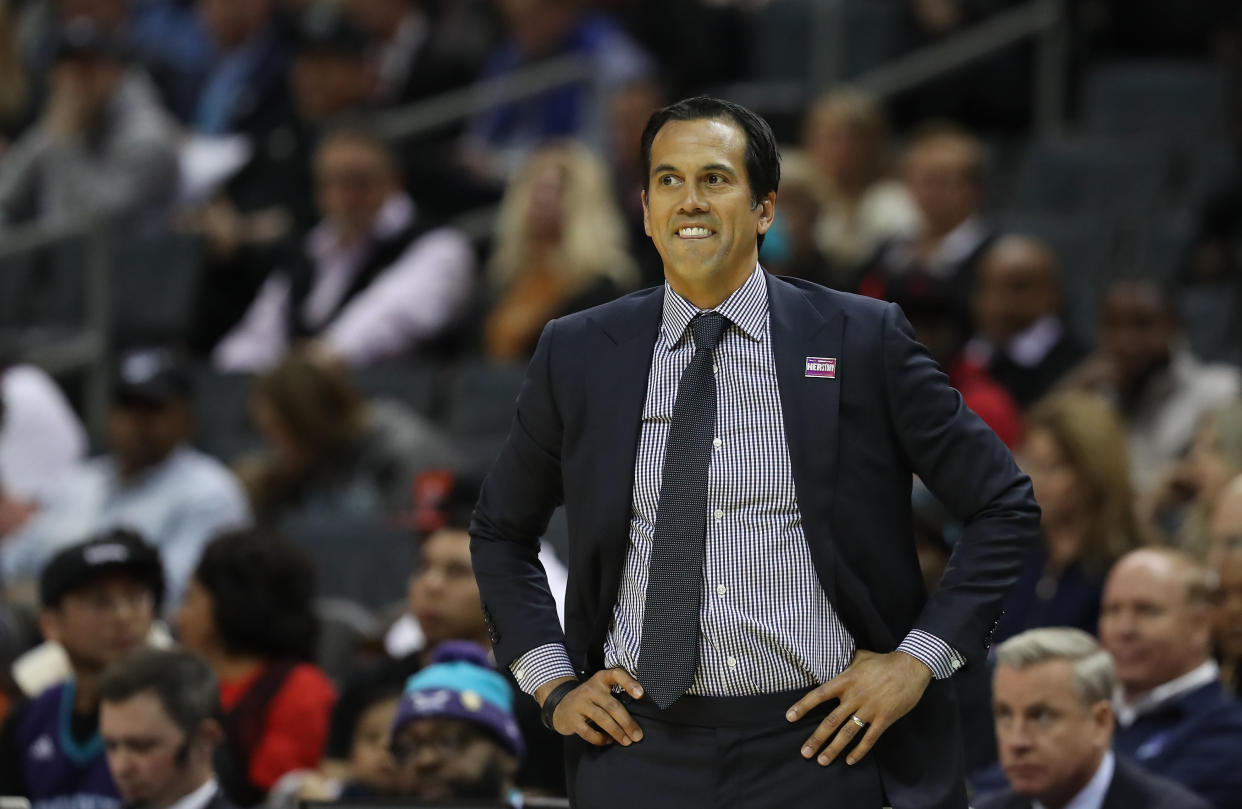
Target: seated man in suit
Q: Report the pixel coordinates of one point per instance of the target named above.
(157, 717)
(1173, 716)
(1054, 728)
(1021, 338)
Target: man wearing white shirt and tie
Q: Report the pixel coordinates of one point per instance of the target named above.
(1054, 730)
(157, 719)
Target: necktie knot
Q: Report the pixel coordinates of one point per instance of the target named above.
(707, 329)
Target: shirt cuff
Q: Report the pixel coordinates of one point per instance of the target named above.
(940, 657)
(541, 664)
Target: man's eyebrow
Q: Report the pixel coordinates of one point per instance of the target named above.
(709, 167)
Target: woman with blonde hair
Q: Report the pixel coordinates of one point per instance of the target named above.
(846, 138)
(1075, 452)
(1179, 506)
(560, 248)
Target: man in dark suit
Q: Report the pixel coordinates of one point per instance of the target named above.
(159, 727)
(1173, 715)
(1054, 730)
(735, 454)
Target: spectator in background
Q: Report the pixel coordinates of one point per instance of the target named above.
(329, 451)
(16, 92)
(500, 138)
(992, 94)
(249, 611)
(1226, 528)
(41, 438)
(1173, 716)
(934, 309)
(1180, 505)
(418, 47)
(254, 222)
(1161, 389)
(1055, 725)
(99, 599)
(846, 139)
(158, 718)
(560, 248)
(372, 280)
(629, 108)
(1228, 618)
(444, 606)
(455, 736)
(367, 771)
(790, 247)
(102, 145)
(152, 481)
(244, 91)
(1021, 337)
(1075, 455)
(943, 169)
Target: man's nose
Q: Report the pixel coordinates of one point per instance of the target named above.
(692, 202)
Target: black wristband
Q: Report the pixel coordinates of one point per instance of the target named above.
(554, 699)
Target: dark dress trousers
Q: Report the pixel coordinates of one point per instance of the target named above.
(854, 442)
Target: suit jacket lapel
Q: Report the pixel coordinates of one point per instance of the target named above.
(619, 391)
(810, 408)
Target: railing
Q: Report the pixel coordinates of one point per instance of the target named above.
(79, 350)
(1045, 21)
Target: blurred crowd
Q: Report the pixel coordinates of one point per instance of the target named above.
(255, 584)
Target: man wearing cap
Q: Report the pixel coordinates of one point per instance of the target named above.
(99, 599)
(153, 482)
(103, 145)
(455, 736)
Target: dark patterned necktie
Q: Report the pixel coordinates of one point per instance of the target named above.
(669, 652)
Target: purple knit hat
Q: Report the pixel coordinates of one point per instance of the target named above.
(461, 684)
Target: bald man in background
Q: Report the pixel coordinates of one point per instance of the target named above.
(1021, 336)
(1173, 716)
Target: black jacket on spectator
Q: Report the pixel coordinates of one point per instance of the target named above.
(1131, 788)
(1028, 384)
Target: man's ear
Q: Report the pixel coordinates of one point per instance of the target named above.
(646, 212)
(767, 212)
(49, 624)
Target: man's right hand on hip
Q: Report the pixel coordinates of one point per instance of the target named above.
(592, 712)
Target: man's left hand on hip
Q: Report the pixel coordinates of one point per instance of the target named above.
(878, 689)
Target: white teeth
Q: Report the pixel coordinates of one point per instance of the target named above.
(692, 232)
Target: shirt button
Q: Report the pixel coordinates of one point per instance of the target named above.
(520, 673)
(721, 589)
(717, 443)
(732, 661)
(719, 515)
(715, 368)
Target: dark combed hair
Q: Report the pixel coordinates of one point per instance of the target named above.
(763, 159)
(262, 589)
(183, 683)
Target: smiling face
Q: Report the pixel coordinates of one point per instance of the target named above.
(699, 212)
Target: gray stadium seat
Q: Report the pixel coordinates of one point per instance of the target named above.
(1125, 176)
(154, 280)
(1180, 102)
(1160, 249)
(222, 425)
(481, 398)
(359, 559)
(415, 385)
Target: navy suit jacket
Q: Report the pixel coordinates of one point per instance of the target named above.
(854, 442)
(1196, 741)
(1131, 788)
